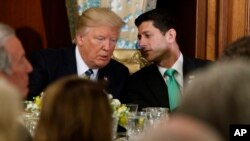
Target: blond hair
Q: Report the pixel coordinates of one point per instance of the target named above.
(98, 16)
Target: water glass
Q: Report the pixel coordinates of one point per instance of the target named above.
(114, 126)
(136, 124)
(154, 114)
(30, 121)
(132, 108)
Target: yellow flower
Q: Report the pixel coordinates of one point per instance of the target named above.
(35, 105)
(123, 120)
(119, 110)
(38, 102)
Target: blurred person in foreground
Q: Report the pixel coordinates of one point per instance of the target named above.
(180, 127)
(11, 129)
(97, 32)
(240, 48)
(17, 69)
(222, 97)
(10, 109)
(5, 72)
(153, 85)
(74, 109)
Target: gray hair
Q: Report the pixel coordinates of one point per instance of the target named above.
(5, 32)
(5, 65)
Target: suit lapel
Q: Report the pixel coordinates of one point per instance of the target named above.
(157, 84)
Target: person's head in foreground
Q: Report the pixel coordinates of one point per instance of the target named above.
(74, 109)
(219, 96)
(20, 67)
(239, 48)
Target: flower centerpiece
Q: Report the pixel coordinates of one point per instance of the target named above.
(34, 106)
(119, 110)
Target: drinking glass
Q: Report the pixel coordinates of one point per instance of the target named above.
(114, 126)
(136, 124)
(154, 114)
(132, 108)
(30, 121)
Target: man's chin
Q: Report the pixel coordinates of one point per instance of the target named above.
(148, 58)
(102, 63)
(24, 92)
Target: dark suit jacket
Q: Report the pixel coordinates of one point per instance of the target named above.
(51, 64)
(147, 87)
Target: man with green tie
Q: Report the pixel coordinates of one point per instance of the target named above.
(159, 84)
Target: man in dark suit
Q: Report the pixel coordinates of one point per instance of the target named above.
(152, 85)
(97, 32)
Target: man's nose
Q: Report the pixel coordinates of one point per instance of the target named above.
(107, 45)
(28, 66)
(141, 44)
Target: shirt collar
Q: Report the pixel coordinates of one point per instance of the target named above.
(82, 66)
(178, 66)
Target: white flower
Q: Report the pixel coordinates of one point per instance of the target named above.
(115, 103)
(119, 110)
(35, 105)
(110, 97)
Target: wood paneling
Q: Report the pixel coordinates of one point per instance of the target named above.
(38, 23)
(226, 21)
(185, 11)
(211, 30)
(26, 17)
(201, 32)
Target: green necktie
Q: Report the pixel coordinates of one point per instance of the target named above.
(173, 89)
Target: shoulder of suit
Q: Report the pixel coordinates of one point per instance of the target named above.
(147, 70)
(114, 63)
(197, 61)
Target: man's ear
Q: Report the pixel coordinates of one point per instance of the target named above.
(171, 35)
(79, 39)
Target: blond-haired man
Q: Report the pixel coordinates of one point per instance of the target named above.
(98, 30)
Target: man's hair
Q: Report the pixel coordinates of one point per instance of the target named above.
(161, 18)
(97, 16)
(5, 32)
(5, 65)
(238, 49)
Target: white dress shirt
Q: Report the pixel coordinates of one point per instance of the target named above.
(82, 66)
(178, 66)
